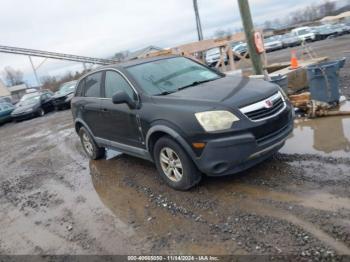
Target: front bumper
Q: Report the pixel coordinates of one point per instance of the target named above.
(61, 103)
(24, 116)
(229, 155)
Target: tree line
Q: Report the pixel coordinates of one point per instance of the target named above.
(310, 13)
(14, 77)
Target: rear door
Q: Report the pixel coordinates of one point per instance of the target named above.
(120, 122)
(89, 105)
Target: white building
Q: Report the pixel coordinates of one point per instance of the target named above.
(17, 92)
(4, 92)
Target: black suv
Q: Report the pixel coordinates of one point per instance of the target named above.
(184, 116)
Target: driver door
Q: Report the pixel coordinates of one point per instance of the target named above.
(120, 123)
(46, 102)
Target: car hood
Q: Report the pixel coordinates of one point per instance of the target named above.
(21, 108)
(62, 95)
(230, 91)
(272, 43)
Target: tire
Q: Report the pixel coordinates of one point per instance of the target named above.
(92, 150)
(183, 178)
(41, 112)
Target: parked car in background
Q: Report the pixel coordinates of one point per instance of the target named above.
(290, 40)
(240, 48)
(341, 29)
(6, 99)
(272, 43)
(182, 115)
(212, 56)
(64, 95)
(5, 112)
(323, 32)
(34, 104)
(304, 33)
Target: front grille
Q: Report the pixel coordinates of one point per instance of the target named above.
(271, 135)
(265, 109)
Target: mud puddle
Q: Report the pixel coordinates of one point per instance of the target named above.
(328, 136)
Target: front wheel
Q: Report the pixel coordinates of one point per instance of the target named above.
(41, 112)
(90, 147)
(174, 165)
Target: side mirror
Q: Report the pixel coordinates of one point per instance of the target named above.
(122, 97)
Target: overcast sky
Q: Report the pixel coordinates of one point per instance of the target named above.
(100, 28)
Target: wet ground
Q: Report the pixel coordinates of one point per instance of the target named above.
(55, 201)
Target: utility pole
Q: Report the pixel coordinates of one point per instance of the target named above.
(198, 21)
(249, 34)
(34, 71)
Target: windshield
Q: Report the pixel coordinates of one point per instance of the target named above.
(25, 97)
(33, 99)
(169, 75)
(234, 44)
(67, 88)
(213, 52)
(269, 40)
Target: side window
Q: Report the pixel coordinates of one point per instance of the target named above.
(92, 85)
(80, 87)
(115, 82)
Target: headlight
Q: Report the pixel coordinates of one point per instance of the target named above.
(283, 94)
(216, 120)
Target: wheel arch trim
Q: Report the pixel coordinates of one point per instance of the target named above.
(172, 133)
(81, 122)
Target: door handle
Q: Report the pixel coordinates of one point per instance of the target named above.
(104, 110)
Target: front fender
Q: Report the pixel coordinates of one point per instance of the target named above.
(172, 133)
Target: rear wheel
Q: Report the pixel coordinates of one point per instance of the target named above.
(90, 147)
(174, 165)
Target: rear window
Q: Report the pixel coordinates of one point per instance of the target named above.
(92, 86)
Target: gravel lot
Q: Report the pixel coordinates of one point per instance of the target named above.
(55, 201)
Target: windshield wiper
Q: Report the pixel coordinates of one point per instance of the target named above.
(195, 83)
(164, 93)
(186, 86)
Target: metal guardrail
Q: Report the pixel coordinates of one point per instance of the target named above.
(54, 55)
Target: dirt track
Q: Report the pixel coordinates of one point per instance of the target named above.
(55, 201)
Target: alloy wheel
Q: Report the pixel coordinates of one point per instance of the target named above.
(87, 144)
(171, 164)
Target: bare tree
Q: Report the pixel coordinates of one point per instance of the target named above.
(267, 24)
(13, 77)
(276, 23)
(327, 8)
(312, 12)
(120, 56)
(221, 33)
(53, 84)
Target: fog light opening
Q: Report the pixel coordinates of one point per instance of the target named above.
(220, 167)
